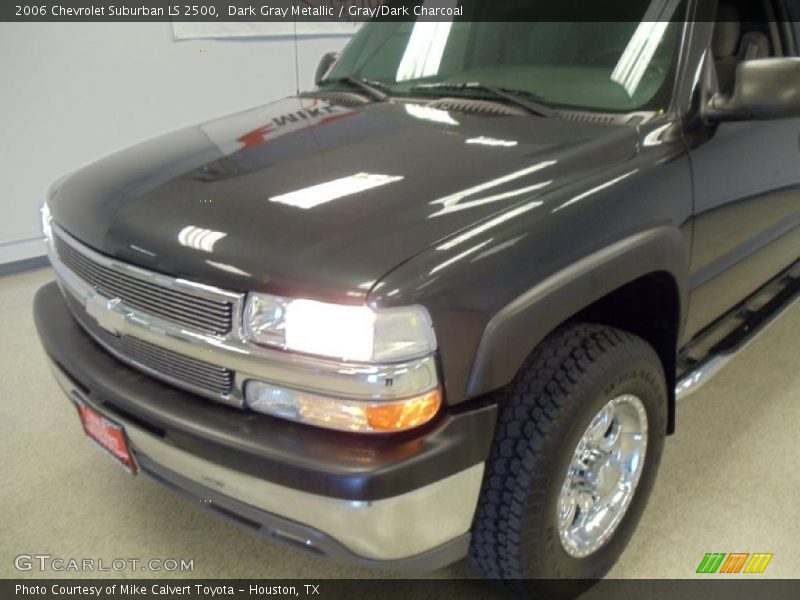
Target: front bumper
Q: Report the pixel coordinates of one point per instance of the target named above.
(402, 502)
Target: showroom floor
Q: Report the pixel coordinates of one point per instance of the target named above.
(729, 481)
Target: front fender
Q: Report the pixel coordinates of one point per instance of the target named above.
(515, 330)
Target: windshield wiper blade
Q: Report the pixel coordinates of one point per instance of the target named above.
(520, 98)
(371, 88)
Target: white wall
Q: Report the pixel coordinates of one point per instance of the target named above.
(72, 93)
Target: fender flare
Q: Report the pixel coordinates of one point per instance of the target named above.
(517, 328)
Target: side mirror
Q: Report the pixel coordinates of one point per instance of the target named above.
(324, 65)
(767, 88)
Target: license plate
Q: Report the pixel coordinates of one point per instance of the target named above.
(106, 434)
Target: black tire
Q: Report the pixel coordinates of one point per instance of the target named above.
(544, 412)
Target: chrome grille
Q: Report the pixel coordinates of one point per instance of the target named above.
(203, 314)
(190, 373)
(173, 365)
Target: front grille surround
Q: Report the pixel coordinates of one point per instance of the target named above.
(169, 304)
(209, 380)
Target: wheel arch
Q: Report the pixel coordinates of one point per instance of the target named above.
(636, 284)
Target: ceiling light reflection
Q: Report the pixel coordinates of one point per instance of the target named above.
(142, 250)
(199, 238)
(499, 247)
(428, 113)
(227, 268)
(424, 51)
(488, 141)
(451, 203)
(333, 190)
(494, 198)
(636, 58)
(458, 257)
(594, 190)
(506, 216)
(656, 137)
(639, 52)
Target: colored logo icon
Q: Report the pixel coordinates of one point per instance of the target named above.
(734, 562)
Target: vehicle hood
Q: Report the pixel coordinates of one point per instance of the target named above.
(305, 197)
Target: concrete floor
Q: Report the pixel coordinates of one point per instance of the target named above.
(729, 481)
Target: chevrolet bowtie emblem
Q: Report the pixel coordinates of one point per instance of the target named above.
(107, 313)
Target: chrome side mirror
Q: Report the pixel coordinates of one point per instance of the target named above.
(766, 88)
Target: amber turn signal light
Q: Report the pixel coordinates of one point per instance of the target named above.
(398, 416)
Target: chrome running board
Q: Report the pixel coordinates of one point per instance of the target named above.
(740, 327)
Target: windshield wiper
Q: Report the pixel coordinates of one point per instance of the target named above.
(520, 98)
(371, 88)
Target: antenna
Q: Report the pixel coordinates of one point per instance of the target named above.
(296, 60)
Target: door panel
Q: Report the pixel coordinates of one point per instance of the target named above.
(747, 205)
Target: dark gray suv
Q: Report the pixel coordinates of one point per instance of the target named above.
(443, 304)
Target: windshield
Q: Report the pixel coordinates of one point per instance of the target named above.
(618, 66)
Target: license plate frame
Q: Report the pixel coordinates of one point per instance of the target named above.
(106, 434)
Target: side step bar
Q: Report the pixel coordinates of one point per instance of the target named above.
(716, 345)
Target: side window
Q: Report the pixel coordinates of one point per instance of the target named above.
(794, 15)
(742, 32)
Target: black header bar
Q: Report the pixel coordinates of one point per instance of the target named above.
(353, 11)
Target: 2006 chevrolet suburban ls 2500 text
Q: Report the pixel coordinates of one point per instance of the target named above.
(442, 304)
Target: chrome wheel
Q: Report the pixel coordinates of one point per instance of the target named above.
(602, 476)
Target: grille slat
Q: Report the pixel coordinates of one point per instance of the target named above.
(202, 314)
(119, 279)
(122, 287)
(189, 372)
(190, 365)
(136, 300)
(199, 370)
(175, 365)
(179, 297)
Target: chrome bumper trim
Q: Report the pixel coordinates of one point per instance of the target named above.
(390, 529)
(232, 351)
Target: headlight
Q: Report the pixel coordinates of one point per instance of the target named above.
(47, 223)
(357, 333)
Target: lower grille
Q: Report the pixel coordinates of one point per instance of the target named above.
(199, 376)
(173, 365)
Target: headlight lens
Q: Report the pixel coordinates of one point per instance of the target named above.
(264, 319)
(329, 330)
(357, 333)
(47, 223)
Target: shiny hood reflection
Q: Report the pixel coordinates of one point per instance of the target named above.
(312, 196)
(304, 196)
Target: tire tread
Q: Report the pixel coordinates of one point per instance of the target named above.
(533, 408)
